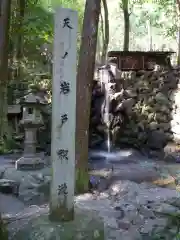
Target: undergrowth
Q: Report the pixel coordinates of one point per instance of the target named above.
(3, 230)
(171, 231)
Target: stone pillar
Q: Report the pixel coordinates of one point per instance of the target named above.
(30, 141)
(63, 115)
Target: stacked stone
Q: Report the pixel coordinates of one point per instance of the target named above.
(141, 108)
(175, 123)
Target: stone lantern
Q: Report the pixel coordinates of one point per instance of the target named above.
(31, 121)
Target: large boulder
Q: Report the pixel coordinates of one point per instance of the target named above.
(86, 226)
(157, 139)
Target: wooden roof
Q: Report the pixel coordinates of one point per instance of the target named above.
(135, 53)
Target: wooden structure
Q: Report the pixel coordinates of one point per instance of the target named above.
(137, 60)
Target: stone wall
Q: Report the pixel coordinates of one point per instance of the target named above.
(175, 123)
(143, 107)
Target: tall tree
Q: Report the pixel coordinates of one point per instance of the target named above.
(149, 28)
(178, 7)
(125, 4)
(5, 6)
(106, 31)
(19, 42)
(85, 76)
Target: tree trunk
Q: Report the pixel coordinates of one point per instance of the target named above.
(85, 76)
(150, 45)
(4, 40)
(178, 57)
(106, 32)
(19, 46)
(126, 24)
(98, 48)
(19, 40)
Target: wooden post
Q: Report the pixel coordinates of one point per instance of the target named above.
(63, 115)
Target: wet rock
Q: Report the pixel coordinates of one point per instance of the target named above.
(125, 225)
(165, 126)
(146, 211)
(174, 202)
(157, 153)
(119, 95)
(96, 141)
(165, 208)
(161, 98)
(130, 93)
(143, 98)
(153, 126)
(169, 158)
(157, 139)
(125, 105)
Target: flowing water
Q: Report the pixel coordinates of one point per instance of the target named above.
(108, 140)
(111, 156)
(104, 78)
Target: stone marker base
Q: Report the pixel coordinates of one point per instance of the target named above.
(86, 226)
(29, 163)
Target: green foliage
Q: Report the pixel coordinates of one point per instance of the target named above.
(37, 32)
(171, 231)
(161, 15)
(31, 48)
(3, 231)
(8, 145)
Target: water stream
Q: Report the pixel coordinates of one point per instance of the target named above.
(105, 79)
